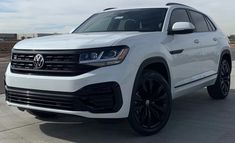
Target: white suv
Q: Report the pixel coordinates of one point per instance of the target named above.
(121, 63)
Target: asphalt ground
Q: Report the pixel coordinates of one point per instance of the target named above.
(196, 118)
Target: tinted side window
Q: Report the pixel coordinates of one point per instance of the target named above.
(199, 22)
(210, 24)
(178, 15)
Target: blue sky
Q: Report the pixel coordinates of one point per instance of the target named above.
(33, 16)
(5, 6)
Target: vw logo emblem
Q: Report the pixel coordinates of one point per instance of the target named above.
(38, 61)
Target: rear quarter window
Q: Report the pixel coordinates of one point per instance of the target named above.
(199, 21)
(210, 24)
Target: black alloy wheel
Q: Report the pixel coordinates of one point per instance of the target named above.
(151, 104)
(220, 89)
(225, 77)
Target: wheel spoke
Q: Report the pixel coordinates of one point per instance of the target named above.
(158, 108)
(155, 114)
(227, 82)
(226, 89)
(227, 69)
(222, 71)
(151, 103)
(139, 112)
(138, 98)
(222, 85)
(145, 116)
(145, 87)
(158, 93)
(162, 98)
(151, 84)
(149, 117)
(160, 89)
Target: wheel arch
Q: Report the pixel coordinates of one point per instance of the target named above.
(158, 64)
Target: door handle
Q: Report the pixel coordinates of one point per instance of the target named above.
(214, 39)
(196, 41)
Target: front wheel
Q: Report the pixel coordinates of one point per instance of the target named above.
(151, 103)
(220, 89)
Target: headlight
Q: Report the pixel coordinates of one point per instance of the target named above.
(103, 56)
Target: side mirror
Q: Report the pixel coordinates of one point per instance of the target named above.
(182, 28)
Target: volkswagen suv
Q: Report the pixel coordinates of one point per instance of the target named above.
(122, 63)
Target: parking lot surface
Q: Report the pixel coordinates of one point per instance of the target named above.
(196, 118)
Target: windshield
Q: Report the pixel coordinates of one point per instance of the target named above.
(150, 19)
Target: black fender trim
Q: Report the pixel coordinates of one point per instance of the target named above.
(154, 60)
(150, 61)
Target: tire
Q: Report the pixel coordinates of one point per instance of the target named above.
(42, 114)
(150, 104)
(220, 89)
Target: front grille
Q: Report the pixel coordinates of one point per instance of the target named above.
(97, 98)
(55, 63)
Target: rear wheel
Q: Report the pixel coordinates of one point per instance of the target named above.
(151, 103)
(42, 114)
(220, 89)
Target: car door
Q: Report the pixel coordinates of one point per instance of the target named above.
(207, 43)
(210, 53)
(185, 55)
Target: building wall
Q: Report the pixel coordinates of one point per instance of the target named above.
(26, 36)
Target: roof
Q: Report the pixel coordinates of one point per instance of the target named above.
(168, 5)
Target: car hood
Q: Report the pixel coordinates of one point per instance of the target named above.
(74, 41)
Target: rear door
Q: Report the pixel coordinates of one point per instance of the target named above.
(186, 56)
(207, 42)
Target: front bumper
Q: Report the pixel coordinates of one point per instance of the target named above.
(96, 98)
(73, 85)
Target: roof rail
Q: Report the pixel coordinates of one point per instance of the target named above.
(110, 8)
(172, 3)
